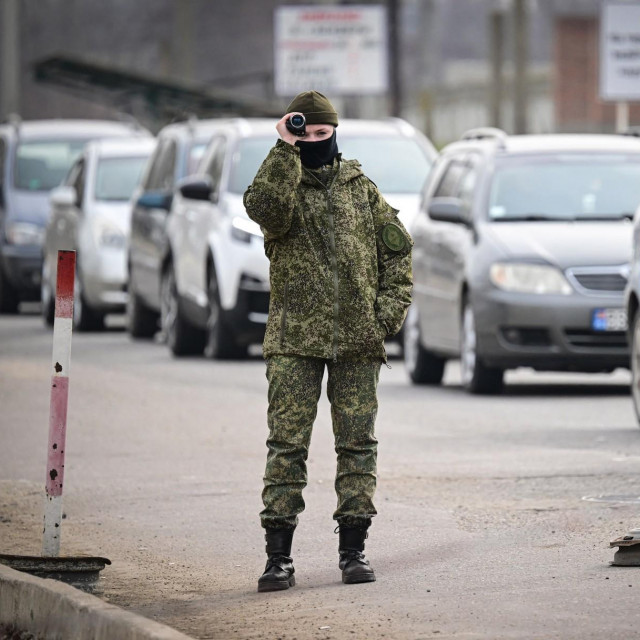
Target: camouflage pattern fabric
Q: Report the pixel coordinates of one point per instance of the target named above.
(340, 259)
(295, 385)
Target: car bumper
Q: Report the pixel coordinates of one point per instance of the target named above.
(548, 333)
(104, 280)
(22, 265)
(249, 316)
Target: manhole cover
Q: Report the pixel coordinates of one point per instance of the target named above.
(624, 499)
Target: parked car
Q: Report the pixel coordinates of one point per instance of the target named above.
(180, 148)
(34, 158)
(91, 214)
(215, 281)
(521, 257)
(632, 306)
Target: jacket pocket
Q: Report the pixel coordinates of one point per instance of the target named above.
(283, 319)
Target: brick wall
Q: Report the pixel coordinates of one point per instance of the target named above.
(578, 107)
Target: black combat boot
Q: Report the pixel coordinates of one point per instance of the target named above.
(278, 574)
(352, 562)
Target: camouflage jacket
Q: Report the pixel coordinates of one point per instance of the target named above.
(340, 259)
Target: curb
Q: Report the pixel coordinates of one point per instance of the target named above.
(57, 611)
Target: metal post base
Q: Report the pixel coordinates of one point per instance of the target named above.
(81, 572)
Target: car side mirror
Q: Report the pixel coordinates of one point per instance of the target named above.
(64, 196)
(155, 200)
(196, 189)
(447, 210)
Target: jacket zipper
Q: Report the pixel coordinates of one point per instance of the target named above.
(285, 306)
(334, 267)
(334, 261)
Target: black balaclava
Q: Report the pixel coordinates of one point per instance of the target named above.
(314, 154)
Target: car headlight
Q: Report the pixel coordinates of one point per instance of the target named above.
(530, 278)
(243, 229)
(25, 233)
(110, 237)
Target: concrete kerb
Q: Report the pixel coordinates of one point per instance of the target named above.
(58, 611)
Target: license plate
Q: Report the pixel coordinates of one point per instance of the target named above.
(609, 320)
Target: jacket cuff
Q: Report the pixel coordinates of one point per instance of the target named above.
(286, 147)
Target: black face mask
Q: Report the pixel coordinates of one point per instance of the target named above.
(315, 154)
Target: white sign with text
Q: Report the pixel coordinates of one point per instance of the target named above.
(340, 50)
(620, 51)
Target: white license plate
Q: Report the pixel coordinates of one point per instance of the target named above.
(609, 320)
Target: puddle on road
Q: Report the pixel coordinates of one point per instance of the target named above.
(616, 498)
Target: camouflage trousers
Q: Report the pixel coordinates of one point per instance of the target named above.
(294, 390)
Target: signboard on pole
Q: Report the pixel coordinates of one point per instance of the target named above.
(339, 49)
(620, 51)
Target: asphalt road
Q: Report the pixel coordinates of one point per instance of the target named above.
(483, 528)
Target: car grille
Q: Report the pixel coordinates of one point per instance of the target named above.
(605, 280)
(596, 339)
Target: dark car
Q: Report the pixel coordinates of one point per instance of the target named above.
(521, 257)
(180, 147)
(35, 156)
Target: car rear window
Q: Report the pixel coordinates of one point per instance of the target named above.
(566, 187)
(396, 165)
(116, 178)
(41, 165)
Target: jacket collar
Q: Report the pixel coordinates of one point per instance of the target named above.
(347, 170)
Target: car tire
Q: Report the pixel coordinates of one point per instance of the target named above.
(422, 366)
(220, 341)
(85, 317)
(9, 299)
(635, 364)
(477, 378)
(48, 303)
(142, 322)
(183, 339)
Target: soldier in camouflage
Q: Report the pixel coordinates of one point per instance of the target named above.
(340, 284)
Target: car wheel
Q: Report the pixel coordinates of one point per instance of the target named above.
(220, 341)
(8, 295)
(476, 376)
(635, 364)
(47, 300)
(142, 322)
(423, 366)
(85, 317)
(182, 338)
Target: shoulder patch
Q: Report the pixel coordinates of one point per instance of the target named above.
(393, 237)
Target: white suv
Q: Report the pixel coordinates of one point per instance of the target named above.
(215, 284)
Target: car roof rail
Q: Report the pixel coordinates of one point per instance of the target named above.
(486, 133)
(13, 120)
(634, 132)
(127, 118)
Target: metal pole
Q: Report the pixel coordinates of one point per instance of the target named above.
(61, 361)
(496, 39)
(10, 58)
(395, 83)
(622, 117)
(521, 19)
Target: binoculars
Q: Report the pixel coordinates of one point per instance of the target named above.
(297, 124)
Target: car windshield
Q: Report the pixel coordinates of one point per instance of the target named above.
(566, 187)
(41, 165)
(396, 165)
(116, 178)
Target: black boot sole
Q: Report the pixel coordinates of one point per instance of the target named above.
(280, 585)
(370, 577)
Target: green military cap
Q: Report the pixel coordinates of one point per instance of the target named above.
(316, 108)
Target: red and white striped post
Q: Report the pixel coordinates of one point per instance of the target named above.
(58, 406)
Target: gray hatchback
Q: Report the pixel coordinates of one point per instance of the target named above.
(521, 257)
